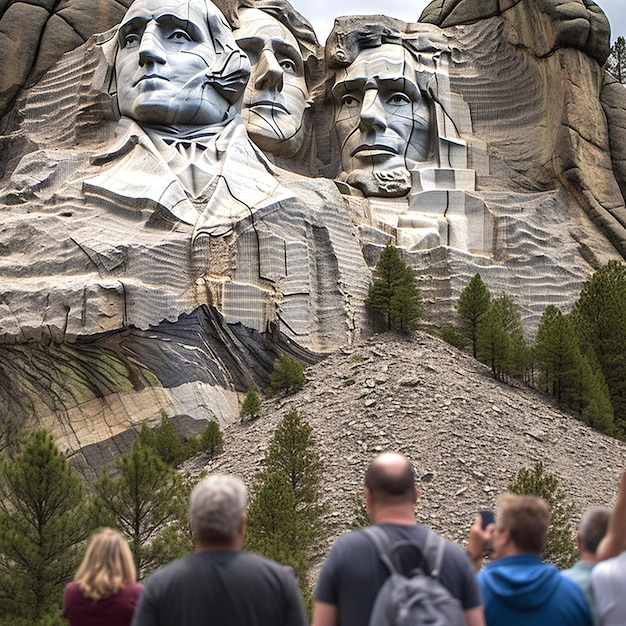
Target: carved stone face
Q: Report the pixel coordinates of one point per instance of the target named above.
(276, 96)
(382, 120)
(166, 51)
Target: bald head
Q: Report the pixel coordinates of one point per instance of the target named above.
(390, 479)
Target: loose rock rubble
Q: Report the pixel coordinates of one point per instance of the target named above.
(467, 434)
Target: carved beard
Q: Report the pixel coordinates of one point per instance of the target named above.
(391, 183)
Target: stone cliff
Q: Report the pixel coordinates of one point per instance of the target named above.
(160, 261)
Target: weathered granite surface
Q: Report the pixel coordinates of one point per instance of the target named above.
(158, 254)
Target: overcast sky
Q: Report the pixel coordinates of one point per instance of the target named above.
(321, 13)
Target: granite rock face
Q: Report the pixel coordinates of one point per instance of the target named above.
(157, 255)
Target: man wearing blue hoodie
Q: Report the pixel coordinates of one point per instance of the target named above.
(518, 588)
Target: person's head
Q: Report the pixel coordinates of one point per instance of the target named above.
(178, 64)
(107, 565)
(384, 121)
(390, 485)
(591, 530)
(217, 511)
(279, 43)
(521, 526)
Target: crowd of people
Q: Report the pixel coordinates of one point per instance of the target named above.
(394, 571)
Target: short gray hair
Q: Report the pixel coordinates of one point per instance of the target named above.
(216, 506)
(593, 527)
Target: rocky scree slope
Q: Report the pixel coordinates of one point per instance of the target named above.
(466, 433)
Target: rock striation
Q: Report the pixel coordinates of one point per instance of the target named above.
(158, 251)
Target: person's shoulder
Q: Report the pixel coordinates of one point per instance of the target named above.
(607, 568)
(171, 571)
(72, 589)
(133, 589)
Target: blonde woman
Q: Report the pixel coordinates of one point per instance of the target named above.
(104, 591)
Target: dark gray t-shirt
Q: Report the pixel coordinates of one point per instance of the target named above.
(353, 573)
(222, 587)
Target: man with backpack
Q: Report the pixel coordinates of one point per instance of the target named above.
(395, 571)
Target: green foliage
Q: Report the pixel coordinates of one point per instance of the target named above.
(348, 382)
(449, 335)
(284, 516)
(471, 306)
(147, 501)
(43, 523)
(557, 354)
(499, 340)
(560, 548)
(360, 517)
(287, 375)
(616, 63)
(394, 294)
(251, 406)
(211, 438)
(599, 317)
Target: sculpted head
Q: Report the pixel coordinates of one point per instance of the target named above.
(383, 119)
(278, 42)
(178, 64)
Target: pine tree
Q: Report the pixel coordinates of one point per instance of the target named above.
(43, 524)
(284, 517)
(616, 63)
(147, 501)
(287, 375)
(560, 548)
(394, 294)
(558, 355)
(211, 438)
(471, 306)
(599, 316)
(167, 442)
(251, 406)
(500, 341)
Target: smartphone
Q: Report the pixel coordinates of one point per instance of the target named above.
(487, 517)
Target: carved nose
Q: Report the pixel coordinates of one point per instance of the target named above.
(150, 49)
(269, 72)
(372, 111)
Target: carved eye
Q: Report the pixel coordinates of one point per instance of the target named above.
(180, 36)
(399, 98)
(350, 101)
(288, 66)
(131, 40)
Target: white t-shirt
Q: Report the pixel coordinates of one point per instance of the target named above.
(608, 585)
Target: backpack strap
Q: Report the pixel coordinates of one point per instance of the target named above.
(383, 544)
(432, 552)
(434, 544)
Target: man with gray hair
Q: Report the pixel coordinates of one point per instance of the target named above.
(218, 582)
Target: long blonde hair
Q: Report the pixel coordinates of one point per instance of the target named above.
(107, 565)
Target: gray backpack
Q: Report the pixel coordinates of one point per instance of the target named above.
(418, 599)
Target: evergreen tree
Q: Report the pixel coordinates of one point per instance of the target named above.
(560, 548)
(599, 317)
(43, 523)
(500, 341)
(558, 355)
(211, 438)
(251, 406)
(284, 517)
(616, 63)
(287, 375)
(471, 306)
(167, 443)
(147, 501)
(394, 294)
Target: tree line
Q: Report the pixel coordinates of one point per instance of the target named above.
(578, 358)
